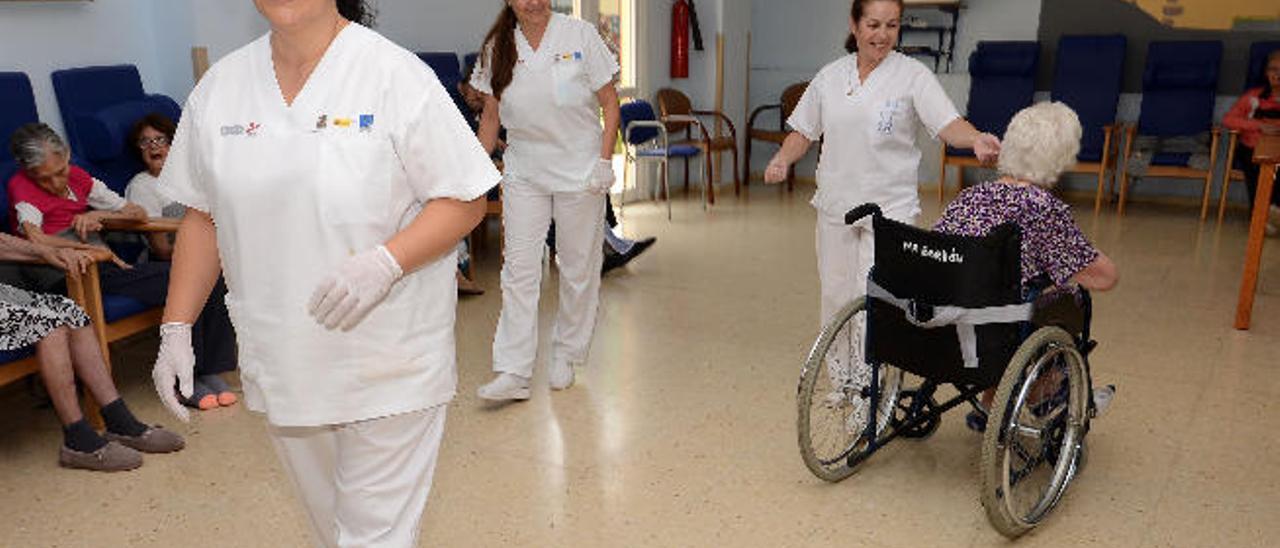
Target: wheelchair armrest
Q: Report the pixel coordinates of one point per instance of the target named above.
(856, 214)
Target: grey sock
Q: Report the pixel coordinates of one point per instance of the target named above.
(215, 383)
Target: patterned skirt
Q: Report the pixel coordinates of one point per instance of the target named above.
(27, 317)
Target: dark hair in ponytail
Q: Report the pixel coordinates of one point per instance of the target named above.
(499, 54)
(860, 6)
(357, 11)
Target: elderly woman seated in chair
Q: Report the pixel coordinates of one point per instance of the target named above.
(67, 348)
(60, 205)
(1041, 143)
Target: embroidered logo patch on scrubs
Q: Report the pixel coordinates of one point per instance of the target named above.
(343, 122)
(233, 130)
(366, 122)
(575, 56)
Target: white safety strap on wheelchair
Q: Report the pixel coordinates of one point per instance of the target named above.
(965, 319)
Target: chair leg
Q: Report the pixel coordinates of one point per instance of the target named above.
(1124, 193)
(686, 176)
(942, 176)
(1226, 176)
(1204, 198)
(709, 173)
(666, 186)
(746, 169)
(738, 182)
(1102, 177)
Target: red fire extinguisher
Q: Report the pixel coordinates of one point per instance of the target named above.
(680, 39)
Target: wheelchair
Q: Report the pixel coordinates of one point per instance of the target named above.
(951, 310)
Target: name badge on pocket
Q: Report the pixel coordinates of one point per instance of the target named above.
(884, 123)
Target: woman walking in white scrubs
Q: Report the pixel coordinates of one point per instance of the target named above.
(328, 173)
(546, 78)
(865, 107)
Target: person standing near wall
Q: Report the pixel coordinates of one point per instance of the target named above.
(546, 77)
(327, 172)
(864, 108)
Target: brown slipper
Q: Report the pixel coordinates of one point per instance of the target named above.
(112, 457)
(155, 440)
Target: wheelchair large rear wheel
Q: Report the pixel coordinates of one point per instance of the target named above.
(835, 395)
(1038, 421)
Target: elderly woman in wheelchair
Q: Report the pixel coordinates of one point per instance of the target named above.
(994, 301)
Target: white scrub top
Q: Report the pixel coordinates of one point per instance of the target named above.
(296, 190)
(869, 153)
(550, 108)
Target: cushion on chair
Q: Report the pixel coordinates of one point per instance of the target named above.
(1258, 52)
(676, 151)
(17, 107)
(639, 111)
(8, 356)
(1003, 78)
(1179, 87)
(118, 307)
(1089, 72)
(445, 65)
(84, 94)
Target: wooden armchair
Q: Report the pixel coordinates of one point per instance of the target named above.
(678, 114)
(785, 106)
(22, 363)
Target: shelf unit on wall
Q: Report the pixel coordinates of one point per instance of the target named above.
(945, 31)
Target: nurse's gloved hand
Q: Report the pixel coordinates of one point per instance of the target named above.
(987, 148)
(602, 177)
(777, 171)
(361, 282)
(175, 366)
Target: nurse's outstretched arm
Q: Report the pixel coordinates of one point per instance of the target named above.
(961, 134)
(194, 271)
(793, 149)
(489, 124)
(608, 98)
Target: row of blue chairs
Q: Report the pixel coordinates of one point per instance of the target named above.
(99, 106)
(1179, 90)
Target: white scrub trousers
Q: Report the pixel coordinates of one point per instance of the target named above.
(364, 483)
(845, 256)
(527, 211)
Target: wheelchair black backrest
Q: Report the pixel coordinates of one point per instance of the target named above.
(932, 269)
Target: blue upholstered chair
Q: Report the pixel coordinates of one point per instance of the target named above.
(17, 108)
(646, 139)
(1258, 53)
(1088, 73)
(1179, 87)
(1002, 82)
(99, 106)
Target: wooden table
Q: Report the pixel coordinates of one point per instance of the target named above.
(1268, 155)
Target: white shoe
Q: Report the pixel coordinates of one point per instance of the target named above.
(507, 386)
(561, 375)
(1102, 398)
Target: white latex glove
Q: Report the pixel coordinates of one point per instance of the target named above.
(344, 297)
(175, 365)
(776, 172)
(602, 177)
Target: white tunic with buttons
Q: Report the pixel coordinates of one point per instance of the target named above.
(869, 151)
(550, 108)
(294, 190)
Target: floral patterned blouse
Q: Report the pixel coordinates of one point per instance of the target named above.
(1052, 244)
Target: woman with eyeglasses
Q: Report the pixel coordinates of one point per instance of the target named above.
(215, 339)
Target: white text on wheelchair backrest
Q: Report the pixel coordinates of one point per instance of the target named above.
(939, 255)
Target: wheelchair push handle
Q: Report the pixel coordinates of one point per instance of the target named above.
(856, 214)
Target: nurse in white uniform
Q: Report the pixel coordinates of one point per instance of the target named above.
(546, 78)
(328, 173)
(865, 108)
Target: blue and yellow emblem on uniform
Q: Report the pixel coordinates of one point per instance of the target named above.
(366, 122)
(575, 56)
(343, 122)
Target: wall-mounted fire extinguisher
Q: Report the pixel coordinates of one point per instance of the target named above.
(684, 18)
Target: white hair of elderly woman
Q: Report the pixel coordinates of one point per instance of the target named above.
(1041, 143)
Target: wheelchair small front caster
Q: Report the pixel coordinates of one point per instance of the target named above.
(925, 409)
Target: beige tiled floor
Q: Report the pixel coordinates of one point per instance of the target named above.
(681, 433)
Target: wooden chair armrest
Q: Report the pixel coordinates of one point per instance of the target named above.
(751, 120)
(153, 224)
(692, 121)
(720, 115)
